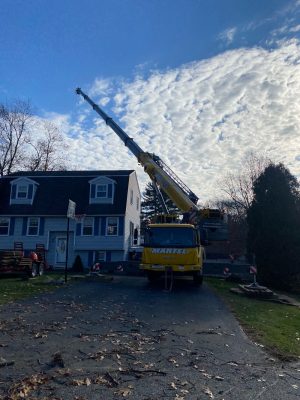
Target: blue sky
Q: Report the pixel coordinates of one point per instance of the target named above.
(152, 62)
(50, 47)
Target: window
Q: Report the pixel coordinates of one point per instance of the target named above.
(170, 237)
(99, 256)
(131, 196)
(22, 191)
(136, 236)
(87, 226)
(101, 191)
(33, 226)
(112, 226)
(4, 226)
(137, 203)
(131, 229)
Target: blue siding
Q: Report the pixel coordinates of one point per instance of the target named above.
(24, 226)
(121, 226)
(90, 258)
(12, 226)
(78, 229)
(42, 226)
(96, 226)
(108, 256)
(103, 226)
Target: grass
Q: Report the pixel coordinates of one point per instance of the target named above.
(275, 326)
(16, 288)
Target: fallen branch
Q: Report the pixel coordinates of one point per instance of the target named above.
(111, 379)
(144, 371)
(6, 363)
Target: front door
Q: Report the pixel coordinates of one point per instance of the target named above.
(61, 249)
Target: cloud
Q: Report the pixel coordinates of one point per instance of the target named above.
(295, 28)
(202, 118)
(228, 35)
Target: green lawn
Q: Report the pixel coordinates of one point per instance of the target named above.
(16, 288)
(276, 326)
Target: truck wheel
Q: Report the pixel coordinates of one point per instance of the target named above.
(198, 278)
(153, 276)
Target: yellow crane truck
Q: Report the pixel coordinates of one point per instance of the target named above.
(169, 248)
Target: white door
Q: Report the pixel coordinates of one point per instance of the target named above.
(61, 250)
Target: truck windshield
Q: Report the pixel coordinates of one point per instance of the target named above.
(171, 237)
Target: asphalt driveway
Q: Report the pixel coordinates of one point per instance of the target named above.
(126, 339)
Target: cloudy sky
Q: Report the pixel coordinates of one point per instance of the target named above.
(201, 83)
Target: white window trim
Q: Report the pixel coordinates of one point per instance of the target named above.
(138, 203)
(17, 192)
(106, 191)
(106, 230)
(82, 225)
(38, 226)
(8, 229)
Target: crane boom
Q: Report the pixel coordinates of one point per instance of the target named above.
(157, 170)
(133, 147)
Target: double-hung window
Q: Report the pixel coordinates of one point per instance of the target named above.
(33, 226)
(87, 226)
(22, 191)
(112, 226)
(101, 191)
(4, 226)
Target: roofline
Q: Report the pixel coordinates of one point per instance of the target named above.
(62, 176)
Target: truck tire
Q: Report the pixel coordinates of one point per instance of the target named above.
(153, 276)
(198, 278)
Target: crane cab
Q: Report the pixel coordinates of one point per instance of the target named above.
(172, 246)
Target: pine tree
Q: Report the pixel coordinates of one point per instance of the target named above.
(152, 206)
(274, 227)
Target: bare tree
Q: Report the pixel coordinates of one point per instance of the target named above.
(49, 151)
(238, 188)
(27, 142)
(14, 124)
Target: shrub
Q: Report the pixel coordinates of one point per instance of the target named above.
(77, 265)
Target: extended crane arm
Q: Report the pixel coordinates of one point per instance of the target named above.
(157, 170)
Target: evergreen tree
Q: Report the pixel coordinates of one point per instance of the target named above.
(77, 265)
(152, 206)
(274, 227)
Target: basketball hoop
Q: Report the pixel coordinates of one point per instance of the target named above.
(79, 218)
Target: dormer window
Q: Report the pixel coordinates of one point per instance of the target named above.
(22, 191)
(101, 191)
